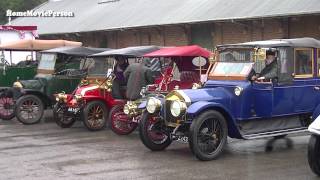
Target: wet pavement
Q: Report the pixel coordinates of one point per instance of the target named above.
(45, 151)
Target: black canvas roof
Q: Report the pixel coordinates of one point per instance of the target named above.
(134, 51)
(76, 51)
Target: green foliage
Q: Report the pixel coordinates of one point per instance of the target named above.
(16, 5)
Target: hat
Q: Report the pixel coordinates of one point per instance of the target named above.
(271, 52)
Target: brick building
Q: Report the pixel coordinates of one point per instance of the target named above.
(121, 23)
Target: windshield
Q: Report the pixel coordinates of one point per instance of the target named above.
(229, 69)
(232, 55)
(47, 61)
(99, 66)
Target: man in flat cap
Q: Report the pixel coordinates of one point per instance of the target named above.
(270, 71)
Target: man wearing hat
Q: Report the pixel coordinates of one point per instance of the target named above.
(269, 72)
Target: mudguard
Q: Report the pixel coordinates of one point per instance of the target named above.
(315, 126)
(316, 112)
(200, 106)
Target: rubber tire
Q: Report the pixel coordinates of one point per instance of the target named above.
(314, 154)
(9, 117)
(195, 126)
(86, 111)
(145, 138)
(57, 119)
(19, 103)
(116, 131)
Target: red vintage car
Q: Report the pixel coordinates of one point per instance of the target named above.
(96, 94)
(181, 67)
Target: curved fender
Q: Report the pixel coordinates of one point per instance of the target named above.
(316, 112)
(198, 107)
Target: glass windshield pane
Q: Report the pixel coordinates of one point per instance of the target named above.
(47, 62)
(234, 55)
(231, 69)
(99, 66)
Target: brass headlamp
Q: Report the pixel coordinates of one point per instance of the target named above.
(61, 97)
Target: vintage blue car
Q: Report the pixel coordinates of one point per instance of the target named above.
(237, 101)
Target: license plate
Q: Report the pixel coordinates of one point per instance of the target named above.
(73, 110)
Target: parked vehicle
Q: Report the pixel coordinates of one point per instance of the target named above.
(59, 69)
(231, 104)
(181, 68)
(27, 51)
(96, 94)
(314, 146)
(27, 66)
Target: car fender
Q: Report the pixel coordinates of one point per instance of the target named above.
(108, 104)
(316, 112)
(196, 108)
(44, 98)
(315, 126)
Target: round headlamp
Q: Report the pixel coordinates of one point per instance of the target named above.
(153, 105)
(61, 97)
(238, 90)
(17, 84)
(126, 109)
(177, 108)
(78, 97)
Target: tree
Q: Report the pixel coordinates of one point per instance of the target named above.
(16, 5)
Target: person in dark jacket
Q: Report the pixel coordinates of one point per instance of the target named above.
(138, 75)
(270, 71)
(119, 80)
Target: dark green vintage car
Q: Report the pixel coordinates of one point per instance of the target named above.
(59, 69)
(25, 53)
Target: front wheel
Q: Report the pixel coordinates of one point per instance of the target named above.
(151, 133)
(6, 108)
(314, 154)
(95, 115)
(208, 135)
(60, 117)
(29, 109)
(121, 123)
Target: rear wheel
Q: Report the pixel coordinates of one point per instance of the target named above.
(151, 133)
(6, 108)
(208, 135)
(95, 115)
(314, 154)
(121, 123)
(61, 119)
(29, 109)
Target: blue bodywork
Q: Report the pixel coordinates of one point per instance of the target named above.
(257, 100)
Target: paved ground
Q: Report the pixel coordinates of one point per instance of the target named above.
(45, 151)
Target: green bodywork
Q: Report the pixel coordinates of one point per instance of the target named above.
(9, 76)
(46, 85)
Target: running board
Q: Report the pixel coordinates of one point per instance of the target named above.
(275, 133)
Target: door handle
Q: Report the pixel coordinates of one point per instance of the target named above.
(317, 88)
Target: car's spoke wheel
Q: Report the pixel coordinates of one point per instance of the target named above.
(6, 108)
(152, 135)
(95, 115)
(121, 123)
(208, 135)
(61, 118)
(29, 109)
(314, 154)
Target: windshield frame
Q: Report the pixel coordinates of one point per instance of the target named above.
(216, 76)
(49, 70)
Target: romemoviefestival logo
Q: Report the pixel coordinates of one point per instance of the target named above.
(45, 13)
